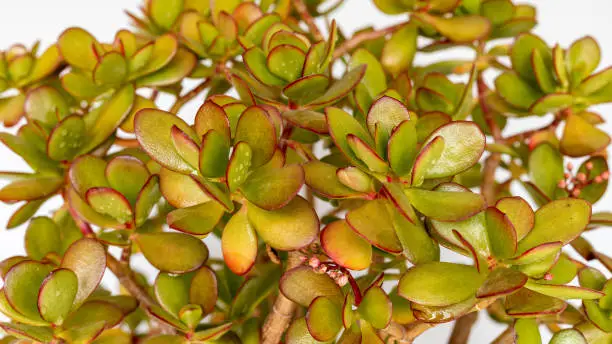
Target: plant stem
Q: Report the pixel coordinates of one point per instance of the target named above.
(506, 337)
(359, 38)
(463, 327)
(280, 316)
(126, 278)
(301, 8)
(180, 101)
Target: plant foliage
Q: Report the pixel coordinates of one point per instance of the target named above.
(333, 169)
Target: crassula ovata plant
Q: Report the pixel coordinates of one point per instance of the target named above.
(332, 169)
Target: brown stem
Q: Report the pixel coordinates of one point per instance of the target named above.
(527, 134)
(280, 315)
(463, 328)
(301, 8)
(506, 337)
(126, 278)
(180, 101)
(362, 37)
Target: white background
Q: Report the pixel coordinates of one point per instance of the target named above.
(25, 21)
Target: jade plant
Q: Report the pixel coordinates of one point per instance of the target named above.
(310, 196)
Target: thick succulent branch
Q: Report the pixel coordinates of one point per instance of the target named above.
(463, 328)
(280, 315)
(182, 100)
(301, 8)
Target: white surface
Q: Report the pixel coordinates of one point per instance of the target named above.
(25, 21)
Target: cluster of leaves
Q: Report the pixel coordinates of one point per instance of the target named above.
(403, 156)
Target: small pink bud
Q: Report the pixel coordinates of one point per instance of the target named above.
(342, 280)
(598, 180)
(334, 274)
(562, 184)
(570, 166)
(314, 262)
(303, 259)
(321, 269)
(548, 276)
(605, 175)
(581, 177)
(589, 165)
(567, 175)
(576, 192)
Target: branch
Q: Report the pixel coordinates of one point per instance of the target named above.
(302, 10)
(126, 278)
(280, 316)
(506, 337)
(362, 37)
(180, 101)
(462, 329)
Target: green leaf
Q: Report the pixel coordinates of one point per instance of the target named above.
(582, 138)
(339, 89)
(302, 285)
(165, 13)
(45, 104)
(110, 116)
(522, 53)
(199, 219)
(214, 155)
(257, 130)
(323, 319)
(473, 230)
(127, 175)
(272, 188)
(322, 178)
(445, 205)
(434, 284)
(203, 290)
(87, 259)
(30, 189)
(567, 216)
(288, 228)
(109, 202)
(429, 155)
(375, 308)
(543, 70)
(372, 222)
(172, 252)
(564, 291)
(501, 232)
(42, 237)
(341, 124)
(148, 196)
(374, 79)
(79, 48)
(307, 119)
(22, 283)
(28, 332)
(286, 62)
(501, 281)
(66, 138)
(239, 243)
(594, 191)
(254, 291)
(178, 68)
(546, 168)
(516, 91)
(568, 336)
(402, 148)
(345, 247)
(526, 331)
(57, 295)
(172, 291)
(519, 213)
(552, 103)
(111, 69)
(215, 191)
(398, 52)
(464, 143)
(461, 29)
(180, 190)
(366, 154)
(582, 59)
(152, 128)
(255, 61)
(187, 148)
(298, 333)
(528, 304)
(211, 116)
(306, 89)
